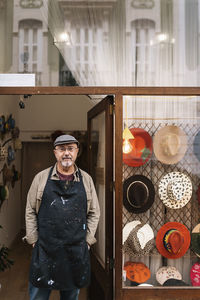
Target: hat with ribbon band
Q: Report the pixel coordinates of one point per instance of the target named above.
(138, 194)
(173, 240)
(175, 190)
(170, 144)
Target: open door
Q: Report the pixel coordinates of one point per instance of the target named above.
(100, 135)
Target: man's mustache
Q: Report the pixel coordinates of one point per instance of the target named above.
(67, 157)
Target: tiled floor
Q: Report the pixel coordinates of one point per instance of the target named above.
(14, 281)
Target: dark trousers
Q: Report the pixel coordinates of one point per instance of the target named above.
(44, 294)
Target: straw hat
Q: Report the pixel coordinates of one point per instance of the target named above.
(137, 271)
(142, 148)
(168, 272)
(175, 190)
(170, 144)
(140, 240)
(195, 274)
(138, 194)
(173, 240)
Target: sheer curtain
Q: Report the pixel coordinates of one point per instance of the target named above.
(122, 44)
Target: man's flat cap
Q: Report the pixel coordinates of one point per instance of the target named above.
(65, 139)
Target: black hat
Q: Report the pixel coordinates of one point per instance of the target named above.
(174, 282)
(138, 194)
(65, 139)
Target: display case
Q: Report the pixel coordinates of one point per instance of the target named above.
(157, 196)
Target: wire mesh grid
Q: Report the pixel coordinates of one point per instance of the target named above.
(159, 214)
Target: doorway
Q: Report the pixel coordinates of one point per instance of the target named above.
(34, 154)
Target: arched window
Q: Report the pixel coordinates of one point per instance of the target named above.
(30, 46)
(143, 66)
(84, 55)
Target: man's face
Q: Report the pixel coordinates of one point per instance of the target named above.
(66, 154)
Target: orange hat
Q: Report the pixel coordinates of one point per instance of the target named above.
(142, 148)
(173, 240)
(137, 272)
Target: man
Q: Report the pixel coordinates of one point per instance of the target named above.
(62, 214)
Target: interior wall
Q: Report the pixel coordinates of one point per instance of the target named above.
(48, 113)
(10, 209)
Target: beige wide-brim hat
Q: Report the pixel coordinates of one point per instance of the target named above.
(175, 190)
(170, 144)
(165, 273)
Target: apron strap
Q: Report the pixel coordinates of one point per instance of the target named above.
(50, 173)
(80, 176)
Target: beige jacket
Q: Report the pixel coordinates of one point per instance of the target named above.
(35, 196)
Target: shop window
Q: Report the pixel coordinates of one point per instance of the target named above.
(142, 49)
(192, 34)
(30, 48)
(84, 55)
(161, 164)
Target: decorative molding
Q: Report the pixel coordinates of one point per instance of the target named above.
(143, 4)
(31, 3)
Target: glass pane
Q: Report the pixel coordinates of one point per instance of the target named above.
(98, 174)
(35, 36)
(34, 53)
(161, 171)
(157, 45)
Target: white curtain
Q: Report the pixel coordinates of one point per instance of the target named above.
(122, 44)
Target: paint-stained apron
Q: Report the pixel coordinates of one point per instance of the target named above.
(60, 258)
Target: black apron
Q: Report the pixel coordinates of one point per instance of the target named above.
(60, 258)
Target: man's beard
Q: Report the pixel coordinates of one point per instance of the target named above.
(67, 163)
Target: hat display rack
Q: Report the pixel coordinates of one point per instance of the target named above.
(9, 144)
(159, 214)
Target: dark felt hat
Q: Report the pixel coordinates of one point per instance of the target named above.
(138, 194)
(195, 240)
(174, 282)
(65, 139)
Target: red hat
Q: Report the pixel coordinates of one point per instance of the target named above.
(173, 240)
(195, 274)
(142, 148)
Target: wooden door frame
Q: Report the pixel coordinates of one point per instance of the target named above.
(118, 93)
(105, 275)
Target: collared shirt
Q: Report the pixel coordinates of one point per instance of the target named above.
(34, 199)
